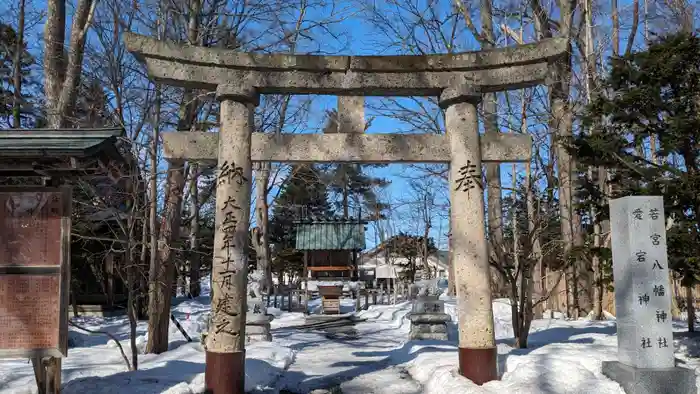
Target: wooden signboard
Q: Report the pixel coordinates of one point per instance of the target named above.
(34, 271)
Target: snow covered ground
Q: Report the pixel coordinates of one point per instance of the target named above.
(564, 358)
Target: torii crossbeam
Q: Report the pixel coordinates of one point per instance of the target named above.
(239, 78)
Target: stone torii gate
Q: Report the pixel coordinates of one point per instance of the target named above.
(239, 78)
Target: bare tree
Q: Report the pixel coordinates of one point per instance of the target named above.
(487, 39)
(62, 74)
(17, 63)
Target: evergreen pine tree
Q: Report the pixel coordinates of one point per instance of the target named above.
(30, 86)
(350, 181)
(302, 194)
(655, 93)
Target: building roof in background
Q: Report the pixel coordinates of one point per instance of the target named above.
(35, 152)
(443, 257)
(371, 258)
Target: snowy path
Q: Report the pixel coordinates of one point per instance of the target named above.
(564, 357)
(323, 363)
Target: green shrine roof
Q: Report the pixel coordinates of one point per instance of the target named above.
(57, 142)
(59, 152)
(330, 235)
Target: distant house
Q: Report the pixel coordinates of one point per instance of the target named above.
(380, 265)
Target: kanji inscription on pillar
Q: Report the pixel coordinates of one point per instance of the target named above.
(34, 240)
(640, 268)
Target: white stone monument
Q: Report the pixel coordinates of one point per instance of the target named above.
(643, 300)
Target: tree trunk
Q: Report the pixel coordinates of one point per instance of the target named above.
(514, 305)
(526, 309)
(600, 227)
(141, 310)
(131, 285)
(426, 234)
(690, 305)
(598, 289)
(262, 235)
(82, 18)
(493, 170)
(194, 255)
(155, 275)
(533, 213)
(584, 271)
(153, 200)
(524, 266)
(598, 174)
(54, 52)
(561, 123)
(675, 309)
(162, 273)
(19, 50)
(61, 76)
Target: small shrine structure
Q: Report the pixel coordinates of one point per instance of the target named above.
(331, 248)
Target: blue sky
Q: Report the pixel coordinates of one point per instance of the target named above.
(399, 191)
(365, 41)
(361, 39)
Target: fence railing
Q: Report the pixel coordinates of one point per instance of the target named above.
(297, 300)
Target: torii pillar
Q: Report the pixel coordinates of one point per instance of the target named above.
(477, 342)
(235, 147)
(225, 350)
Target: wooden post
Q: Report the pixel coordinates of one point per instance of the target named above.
(53, 375)
(39, 374)
(109, 280)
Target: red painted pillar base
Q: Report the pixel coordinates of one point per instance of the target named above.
(225, 373)
(478, 365)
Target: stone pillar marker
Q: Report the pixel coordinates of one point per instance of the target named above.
(225, 350)
(643, 301)
(477, 342)
(428, 319)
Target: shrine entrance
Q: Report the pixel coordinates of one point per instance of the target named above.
(239, 78)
